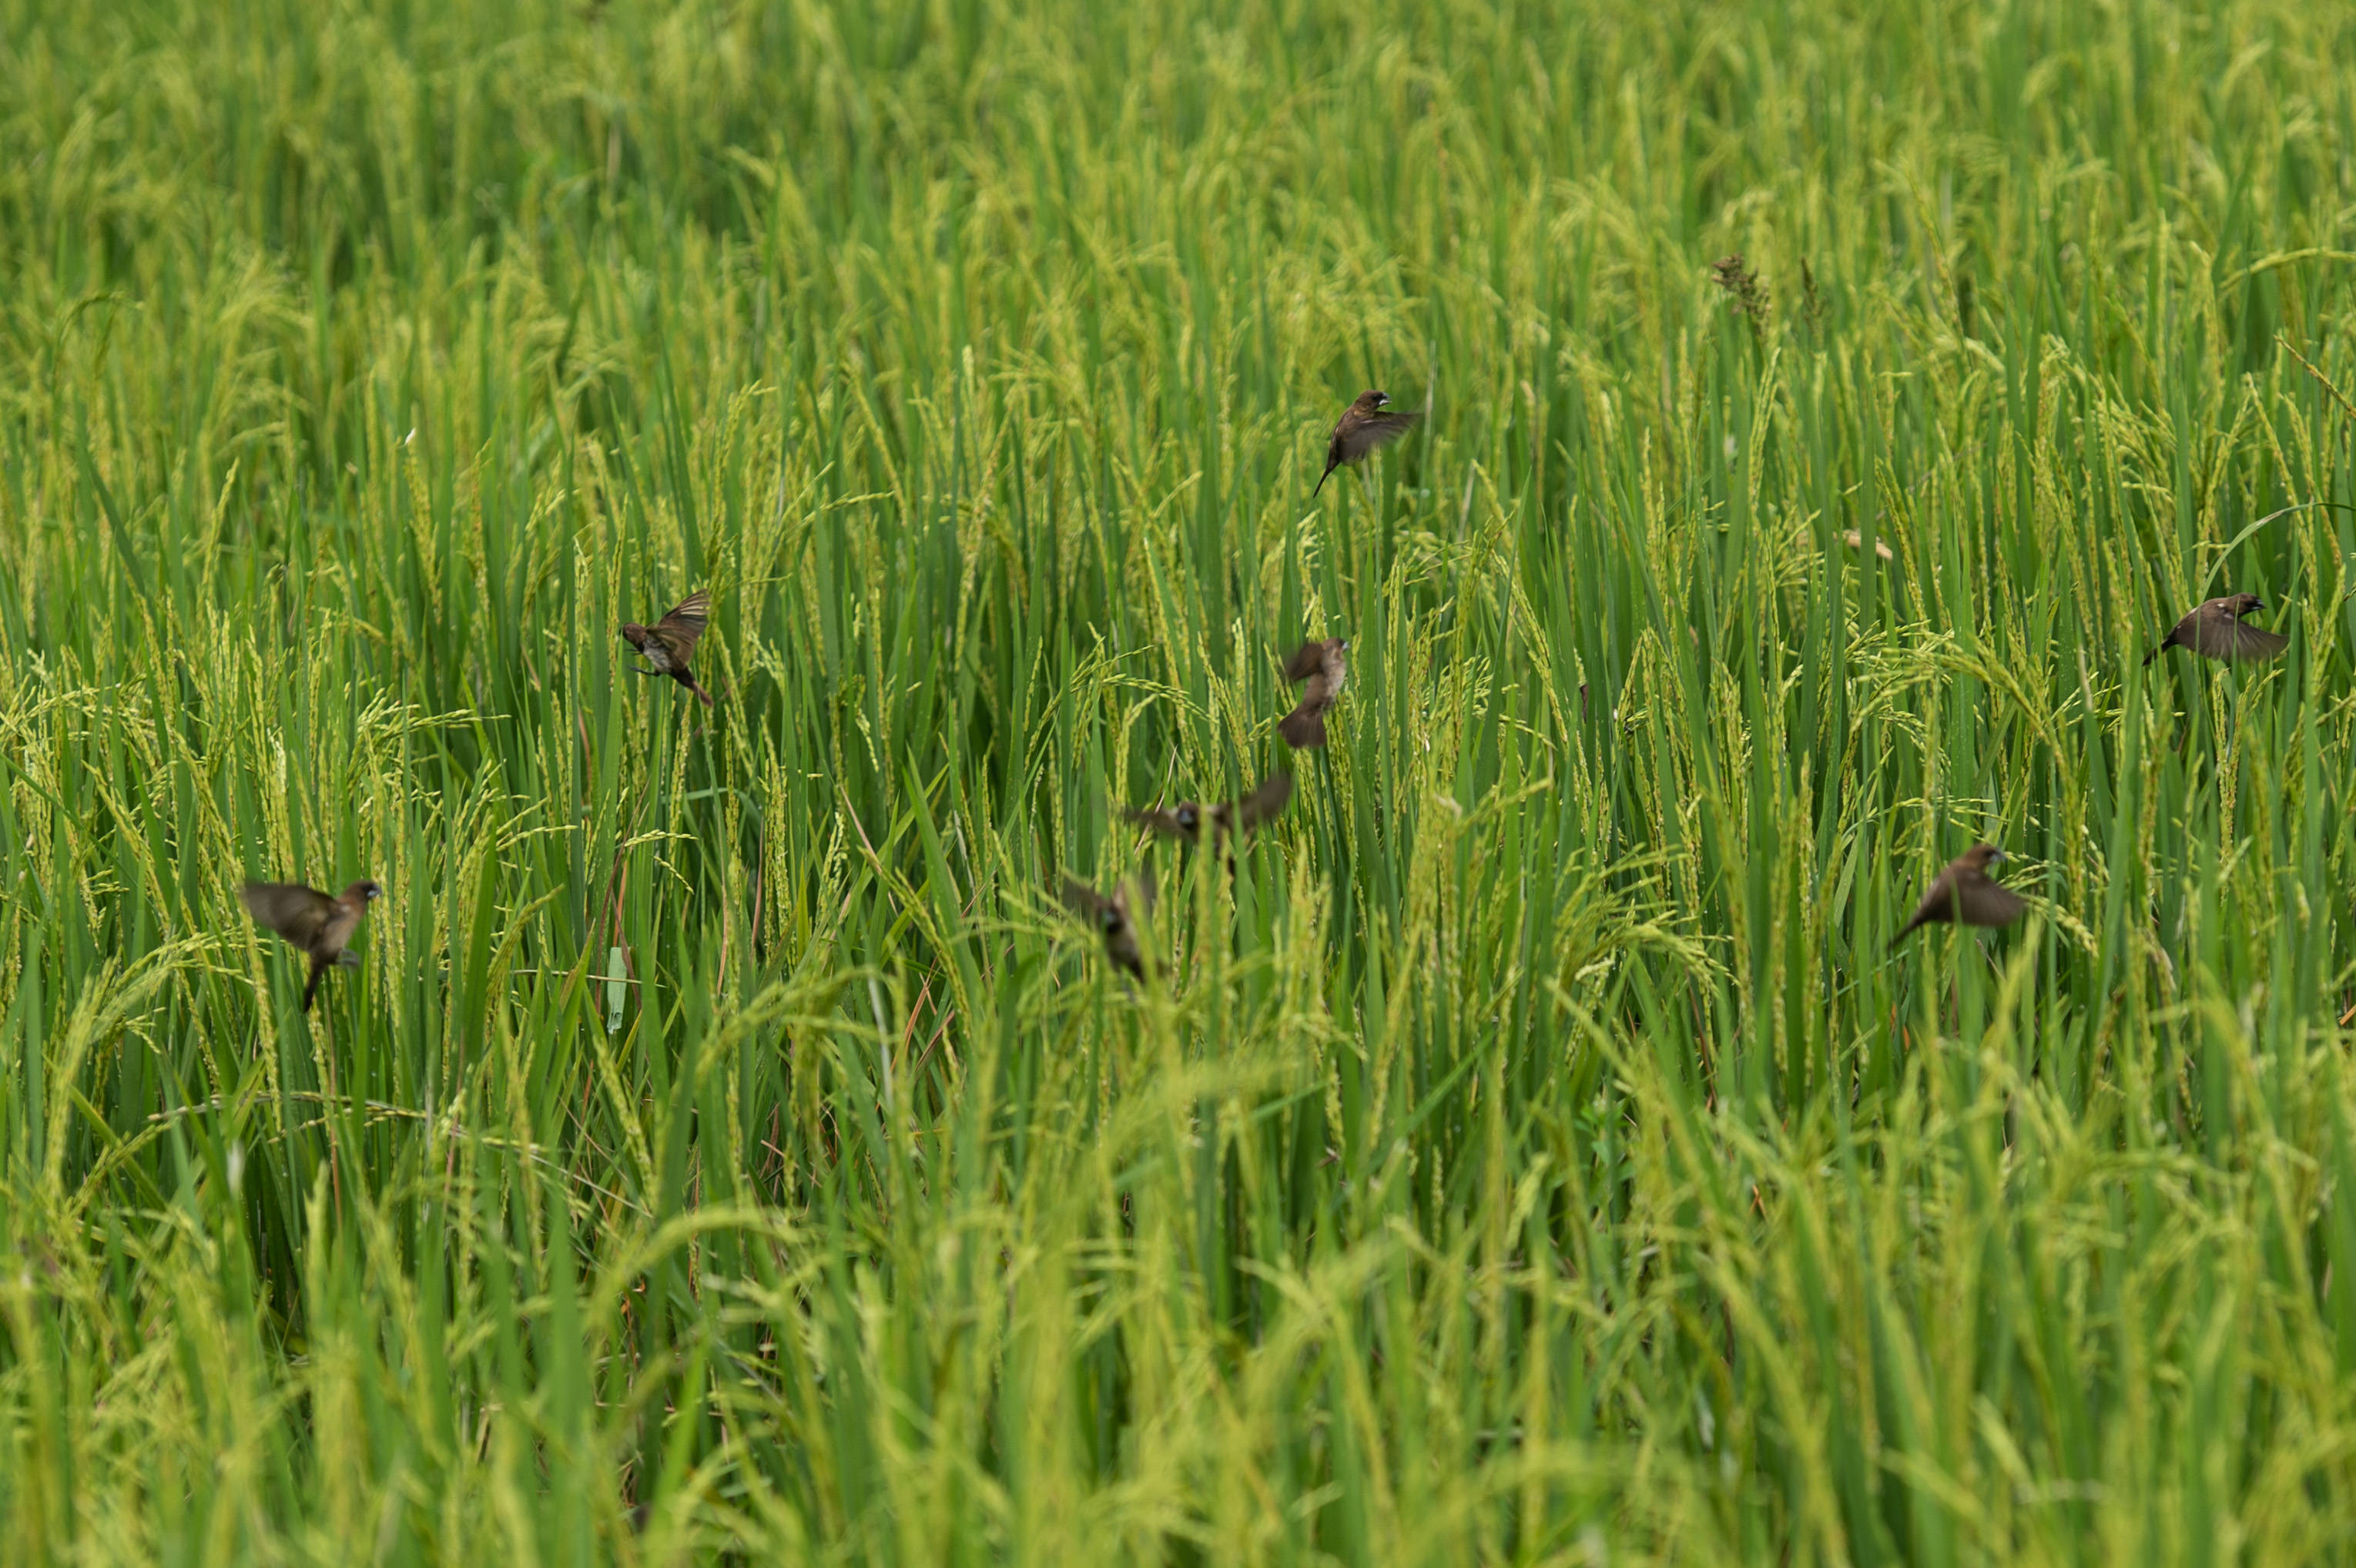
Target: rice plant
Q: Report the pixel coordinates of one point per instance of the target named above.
(1533, 1149)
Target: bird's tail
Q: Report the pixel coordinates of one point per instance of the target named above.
(318, 969)
(1954, 910)
(1300, 730)
(689, 682)
(1321, 481)
(2149, 656)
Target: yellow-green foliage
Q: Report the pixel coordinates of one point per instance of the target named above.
(1533, 1153)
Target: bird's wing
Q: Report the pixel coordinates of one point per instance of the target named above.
(1266, 801)
(1373, 431)
(290, 909)
(686, 621)
(1304, 662)
(2235, 640)
(1086, 902)
(1160, 819)
(1989, 902)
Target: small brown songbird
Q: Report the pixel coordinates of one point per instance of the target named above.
(2215, 628)
(309, 918)
(1111, 917)
(1327, 667)
(1364, 426)
(668, 643)
(1964, 893)
(1186, 819)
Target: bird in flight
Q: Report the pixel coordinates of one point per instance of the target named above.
(668, 643)
(1187, 819)
(2215, 628)
(314, 923)
(1327, 667)
(1113, 917)
(1364, 426)
(1964, 893)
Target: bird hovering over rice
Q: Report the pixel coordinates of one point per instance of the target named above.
(669, 641)
(1114, 917)
(1964, 893)
(1325, 667)
(1188, 819)
(2215, 629)
(1364, 426)
(311, 922)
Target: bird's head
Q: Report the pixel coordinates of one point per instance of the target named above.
(1980, 857)
(2243, 603)
(1371, 402)
(1190, 815)
(634, 634)
(364, 890)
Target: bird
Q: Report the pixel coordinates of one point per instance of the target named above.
(310, 920)
(2215, 628)
(1964, 893)
(1112, 917)
(1856, 541)
(1185, 820)
(1363, 427)
(668, 643)
(1327, 667)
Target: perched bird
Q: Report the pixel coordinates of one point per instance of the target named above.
(1964, 893)
(1186, 819)
(1111, 917)
(1327, 667)
(2215, 628)
(668, 643)
(319, 924)
(1364, 426)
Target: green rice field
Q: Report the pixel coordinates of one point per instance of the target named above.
(729, 1149)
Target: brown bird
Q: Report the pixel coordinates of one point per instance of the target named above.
(1364, 426)
(2215, 628)
(1964, 893)
(668, 643)
(1111, 917)
(313, 922)
(1327, 667)
(1186, 819)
